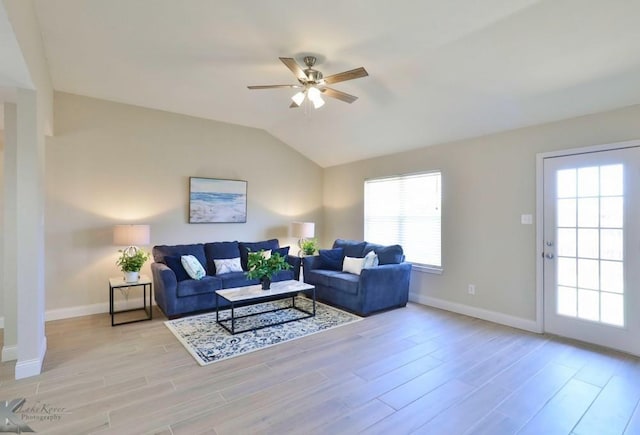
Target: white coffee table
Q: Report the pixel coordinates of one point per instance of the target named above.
(254, 294)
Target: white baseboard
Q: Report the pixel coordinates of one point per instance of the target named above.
(87, 310)
(31, 367)
(480, 313)
(9, 353)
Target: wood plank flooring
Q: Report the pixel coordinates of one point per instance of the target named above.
(412, 370)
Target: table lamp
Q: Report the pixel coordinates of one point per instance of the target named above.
(131, 236)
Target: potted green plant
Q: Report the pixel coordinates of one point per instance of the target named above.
(264, 267)
(309, 246)
(131, 264)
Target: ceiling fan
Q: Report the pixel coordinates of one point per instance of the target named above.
(313, 84)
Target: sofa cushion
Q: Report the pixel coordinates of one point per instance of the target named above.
(319, 276)
(345, 282)
(352, 248)
(192, 287)
(197, 250)
(227, 265)
(353, 265)
(220, 250)
(283, 275)
(246, 247)
(371, 247)
(331, 259)
(390, 254)
(175, 264)
(236, 279)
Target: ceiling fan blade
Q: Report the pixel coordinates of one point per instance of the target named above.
(273, 86)
(346, 75)
(294, 67)
(347, 98)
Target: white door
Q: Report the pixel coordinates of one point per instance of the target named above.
(592, 247)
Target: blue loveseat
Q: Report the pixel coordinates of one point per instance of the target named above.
(381, 287)
(177, 294)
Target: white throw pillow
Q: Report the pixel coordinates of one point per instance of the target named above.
(266, 254)
(192, 266)
(370, 260)
(352, 265)
(227, 265)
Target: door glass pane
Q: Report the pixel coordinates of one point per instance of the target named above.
(567, 301)
(566, 183)
(611, 244)
(588, 274)
(588, 243)
(567, 272)
(611, 211)
(588, 181)
(566, 212)
(612, 309)
(588, 305)
(566, 242)
(611, 180)
(588, 212)
(612, 278)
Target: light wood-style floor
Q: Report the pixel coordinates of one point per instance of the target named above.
(411, 370)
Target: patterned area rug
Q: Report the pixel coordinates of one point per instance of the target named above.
(208, 342)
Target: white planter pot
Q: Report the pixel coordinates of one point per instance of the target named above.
(131, 276)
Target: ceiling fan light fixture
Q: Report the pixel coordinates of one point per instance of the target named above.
(298, 98)
(318, 102)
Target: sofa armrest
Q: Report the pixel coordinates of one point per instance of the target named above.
(385, 286)
(295, 263)
(311, 262)
(166, 286)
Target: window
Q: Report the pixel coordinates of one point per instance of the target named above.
(406, 210)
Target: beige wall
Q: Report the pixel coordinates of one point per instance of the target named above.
(113, 163)
(488, 183)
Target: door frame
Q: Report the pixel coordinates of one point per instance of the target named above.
(540, 157)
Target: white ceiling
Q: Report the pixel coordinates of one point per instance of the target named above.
(440, 70)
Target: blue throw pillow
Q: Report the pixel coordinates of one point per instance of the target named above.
(174, 263)
(390, 254)
(246, 247)
(284, 251)
(331, 259)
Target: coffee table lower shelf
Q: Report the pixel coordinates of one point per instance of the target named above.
(229, 323)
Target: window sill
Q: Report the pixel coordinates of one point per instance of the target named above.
(426, 269)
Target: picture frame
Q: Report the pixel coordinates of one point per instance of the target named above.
(217, 200)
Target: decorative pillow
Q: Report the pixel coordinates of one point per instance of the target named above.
(351, 248)
(192, 266)
(353, 265)
(390, 254)
(370, 260)
(227, 265)
(331, 258)
(284, 251)
(174, 263)
(266, 254)
(246, 247)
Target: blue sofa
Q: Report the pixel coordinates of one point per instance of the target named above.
(177, 294)
(377, 288)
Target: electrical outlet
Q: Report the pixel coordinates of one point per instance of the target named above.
(472, 289)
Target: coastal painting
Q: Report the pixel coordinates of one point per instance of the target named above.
(213, 200)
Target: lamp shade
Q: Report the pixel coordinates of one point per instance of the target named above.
(131, 235)
(303, 230)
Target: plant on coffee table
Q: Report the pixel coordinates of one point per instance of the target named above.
(264, 267)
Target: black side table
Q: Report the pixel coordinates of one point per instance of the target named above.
(119, 283)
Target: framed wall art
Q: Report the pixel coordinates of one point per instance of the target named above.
(215, 200)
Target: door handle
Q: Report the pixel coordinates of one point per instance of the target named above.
(548, 256)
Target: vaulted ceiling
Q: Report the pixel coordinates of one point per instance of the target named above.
(440, 70)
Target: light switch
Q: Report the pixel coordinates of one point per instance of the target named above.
(526, 219)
